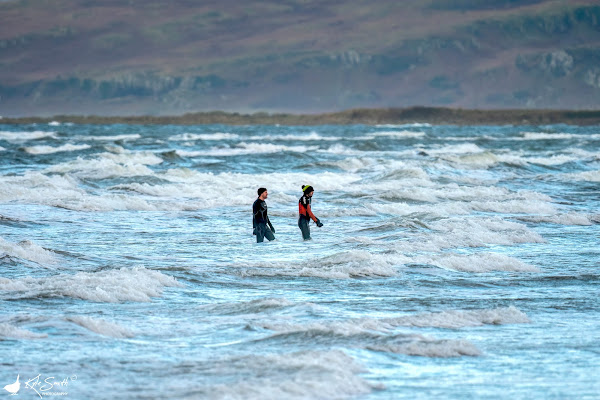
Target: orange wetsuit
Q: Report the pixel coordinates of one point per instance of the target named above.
(304, 208)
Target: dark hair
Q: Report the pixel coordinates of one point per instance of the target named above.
(307, 188)
(261, 191)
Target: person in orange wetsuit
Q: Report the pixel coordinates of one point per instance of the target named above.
(306, 213)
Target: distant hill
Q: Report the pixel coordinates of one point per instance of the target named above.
(134, 57)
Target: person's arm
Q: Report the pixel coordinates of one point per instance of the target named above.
(270, 224)
(312, 216)
(264, 211)
(254, 218)
(310, 213)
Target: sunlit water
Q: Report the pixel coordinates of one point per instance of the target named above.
(454, 262)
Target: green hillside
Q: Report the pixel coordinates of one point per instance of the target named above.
(119, 57)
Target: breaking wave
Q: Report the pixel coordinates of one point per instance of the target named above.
(108, 286)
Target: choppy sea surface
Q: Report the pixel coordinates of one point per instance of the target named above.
(454, 262)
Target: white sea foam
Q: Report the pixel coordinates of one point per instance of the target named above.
(256, 306)
(246, 183)
(54, 123)
(191, 153)
(508, 206)
(132, 157)
(372, 334)
(8, 331)
(466, 193)
(412, 125)
(546, 136)
(26, 136)
(177, 196)
(395, 175)
(349, 212)
(28, 250)
(439, 209)
(588, 176)
(557, 159)
(452, 319)
(571, 218)
(312, 136)
(101, 327)
(470, 232)
(486, 159)
(423, 189)
(453, 233)
(190, 137)
(108, 286)
(479, 231)
(106, 166)
(302, 375)
(113, 138)
(480, 159)
(343, 150)
(456, 319)
(471, 156)
(514, 207)
(64, 191)
(2, 148)
(354, 163)
(186, 192)
(256, 148)
(500, 201)
(396, 134)
(34, 186)
(556, 136)
(367, 327)
(463, 148)
(120, 202)
(480, 262)
(51, 150)
(168, 190)
(430, 348)
(354, 263)
(344, 265)
(406, 194)
(585, 153)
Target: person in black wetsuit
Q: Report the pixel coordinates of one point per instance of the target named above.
(260, 219)
(306, 213)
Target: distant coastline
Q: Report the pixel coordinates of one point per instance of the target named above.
(431, 115)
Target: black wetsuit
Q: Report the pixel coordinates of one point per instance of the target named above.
(260, 220)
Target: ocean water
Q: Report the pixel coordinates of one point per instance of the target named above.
(454, 262)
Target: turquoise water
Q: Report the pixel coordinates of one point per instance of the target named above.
(454, 262)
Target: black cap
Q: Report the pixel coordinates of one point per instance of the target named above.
(261, 191)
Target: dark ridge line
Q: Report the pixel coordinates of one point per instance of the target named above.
(366, 116)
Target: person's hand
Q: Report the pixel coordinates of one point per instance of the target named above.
(318, 222)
